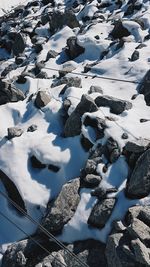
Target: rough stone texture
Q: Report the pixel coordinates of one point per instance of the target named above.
(144, 88)
(117, 251)
(51, 54)
(135, 56)
(141, 252)
(14, 132)
(18, 45)
(138, 185)
(137, 146)
(117, 106)
(95, 89)
(8, 93)
(101, 212)
(73, 123)
(91, 180)
(32, 128)
(97, 123)
(74, 50)
(90, 167)
(119, 31)
(69, 81)
(101, 192)
(140, 230)
(63, 208)
(42, 99)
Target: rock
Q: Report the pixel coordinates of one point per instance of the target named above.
(101, 212)
(59, 19)
(137, 146)
(124, 136)
(51, 54)
(86, 143)
(140, 230)
(118, 227)
(135, 56)
(101, 192)
(69, 81)
(18, 45)
(119, 31)
(63, 208)
(32, 128)
(138, 185)
(42, 99)
(112, 150)
(95, 89)
(97, 123)
(58, 261)
(73, 49)
(91, 180)
(9, 93)
(14, 132)
(117, 106)
(90, 167)
(20, 60)
(144, 87)
(73, 123)
(67, 67)
(118, 252)
(140, 212)
(36, 163)
(141, 252)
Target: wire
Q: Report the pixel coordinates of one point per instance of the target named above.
(48, 234)
(30, 237)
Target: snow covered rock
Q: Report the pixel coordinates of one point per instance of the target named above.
(138, 185)
(117, 106)
(73, 123)
(73, 49)
(101, 212)
(14, 132)
(42, 99)
(63, 208)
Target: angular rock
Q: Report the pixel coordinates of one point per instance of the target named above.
(32, 128)
(137, 146)
(138, 185)
(18, 45)
(91, 180)
(73, 123)
(101, 192)
(14, 132)
(90, 167)
(117, 106)
(37, 164)
(141, 252)
(69, 81)
(144, 88)
(63, 208)
(51, 54)
(9, 93)
(140, 230)
(42, 99)
(95, 89)
(74, 50)
(119, 31)
(135, 56)
(97, 123)
(101, 212)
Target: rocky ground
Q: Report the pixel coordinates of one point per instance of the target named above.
(74, 135)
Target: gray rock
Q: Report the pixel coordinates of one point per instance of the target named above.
(140, 212)
(117, 106)
(101, 212)
(9, 93)
(101, 192)
(119, 31)
(14, 132)
(42, 99)
(118, 227)
(58, 261)
(141, 252)
(124, 136)
(69, 81)
(137, 146)
(63, 208)
(18, 45)
(144, 87)
(51, 54)
(140, 230)
(95, 89)
(118, 252)
(135, 56)
(138, 185)
(90, 167)
(67, 67)
(32, 128)
(91, 180)
(97, 123)
(73, 49)
(73, 123)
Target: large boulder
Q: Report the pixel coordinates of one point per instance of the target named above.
(9, 93)
(73, 123)
(119, 31)
(138, 185)
(42, 99)
(138, 229)
(63, 208)
(101, 212)
(117, 106)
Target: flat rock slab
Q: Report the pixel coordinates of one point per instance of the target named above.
(117, 106)
(138, 185)
(101, 212)
(63, 208)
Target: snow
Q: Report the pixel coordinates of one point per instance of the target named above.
(37, 187)
(7, 5)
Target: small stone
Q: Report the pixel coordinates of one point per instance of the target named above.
(51, 54)
(91, 180)
(124, 136)
(135, 56)
(143, 120)
(32, 128)
(90, 167)
(14, 132)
